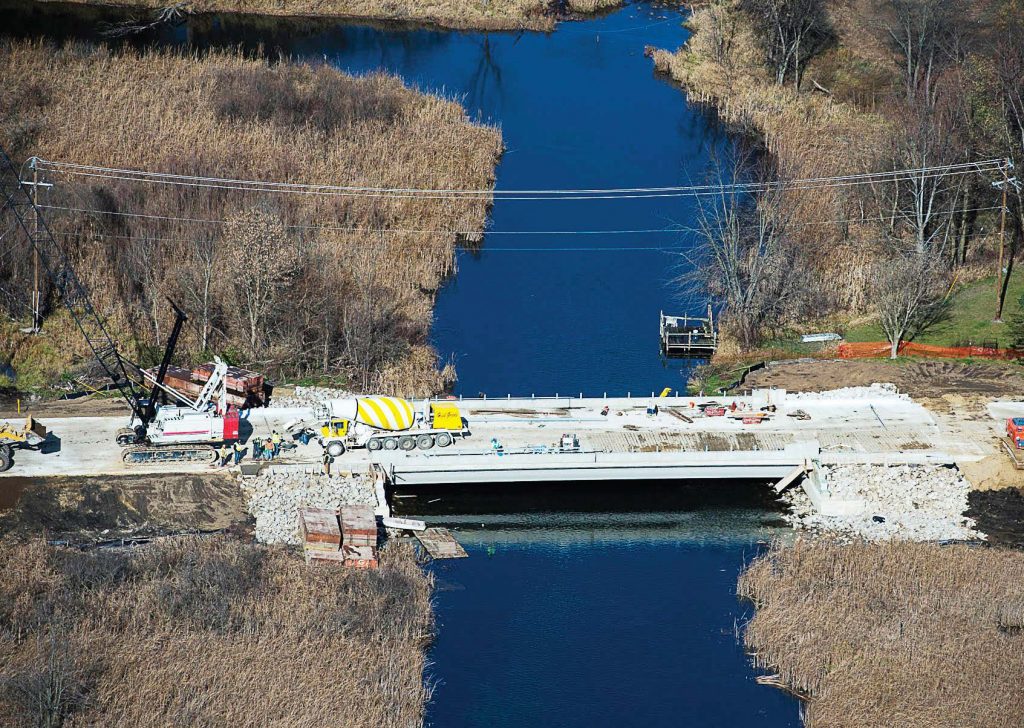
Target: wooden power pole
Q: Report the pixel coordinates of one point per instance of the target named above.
(36, 298)
(1002, 244)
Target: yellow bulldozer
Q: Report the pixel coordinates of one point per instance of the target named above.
(31, 435)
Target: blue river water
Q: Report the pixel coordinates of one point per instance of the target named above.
(579, 605)
(595, 605)
(563, 309)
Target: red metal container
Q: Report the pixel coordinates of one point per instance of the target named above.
(319, 526)
(238, 379)
(714, 411)
(358, 525)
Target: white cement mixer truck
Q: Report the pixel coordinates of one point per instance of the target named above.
(382, 423)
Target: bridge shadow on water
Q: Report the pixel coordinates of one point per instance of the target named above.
(642, 510)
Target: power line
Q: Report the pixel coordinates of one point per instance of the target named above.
(223, 183)
(675, 230)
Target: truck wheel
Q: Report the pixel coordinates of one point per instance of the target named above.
(424, 442)
(390, 443)
(6, 457)
(335, 448)
(407, 443)
(373, 444)
(444, 439)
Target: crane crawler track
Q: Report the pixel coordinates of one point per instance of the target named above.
(152, 454)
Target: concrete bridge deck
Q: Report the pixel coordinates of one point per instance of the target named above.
(625, 444)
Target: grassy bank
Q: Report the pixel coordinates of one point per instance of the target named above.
(970, 317)
(892, 634)
(213, 632)
(457, 14)
(350, 279)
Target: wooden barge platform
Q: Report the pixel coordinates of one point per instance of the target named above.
(684, 336)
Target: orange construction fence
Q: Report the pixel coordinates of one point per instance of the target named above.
(866, 349)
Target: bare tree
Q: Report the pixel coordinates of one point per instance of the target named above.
(374, 327)
(925, 35)
(908, 293)
(917, 208)
(719, 33)
(744, 258)
(790, 32)
(262, 262)
(198, 279)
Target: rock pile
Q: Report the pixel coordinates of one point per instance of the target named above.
(274, 499)
(306, 396)
(908, 502)
(875, 391)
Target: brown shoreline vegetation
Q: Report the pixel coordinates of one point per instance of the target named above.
(894, 633)
(858, 96)
(454, 14)
(348, 285)
(209, 632)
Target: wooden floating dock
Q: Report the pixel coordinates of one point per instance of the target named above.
(688, 335)
(440, 544)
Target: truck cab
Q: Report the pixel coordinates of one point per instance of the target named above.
(445, 417)
(332, 436)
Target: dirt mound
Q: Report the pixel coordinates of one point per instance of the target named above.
(916, 377)
(135, 505)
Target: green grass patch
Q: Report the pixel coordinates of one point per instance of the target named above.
(714, 378)
(969, 317)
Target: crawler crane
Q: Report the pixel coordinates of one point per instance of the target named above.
(158, 430)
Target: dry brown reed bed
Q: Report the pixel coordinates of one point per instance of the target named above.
(892, 634)
(214, 632)
(358, 302)
(459, 14)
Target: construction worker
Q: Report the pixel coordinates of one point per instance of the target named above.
(239, 451)
(257, 449)
(275, 444)
(224, 454)
(327, 459)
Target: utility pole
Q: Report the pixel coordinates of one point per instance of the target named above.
(1002, 241)
(36, 322)
(37, 294)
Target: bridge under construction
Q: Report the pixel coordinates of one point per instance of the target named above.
(767, 434)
